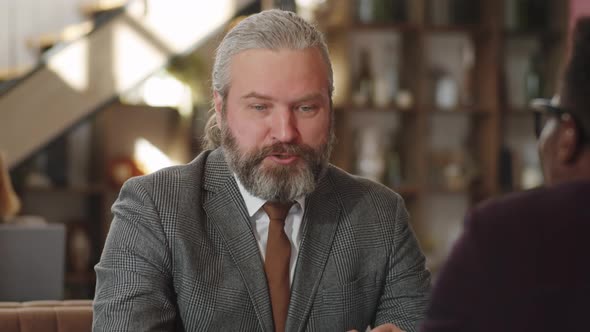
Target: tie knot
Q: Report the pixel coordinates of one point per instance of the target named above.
(277, 211)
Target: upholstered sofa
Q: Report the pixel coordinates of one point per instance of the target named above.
(46, 316)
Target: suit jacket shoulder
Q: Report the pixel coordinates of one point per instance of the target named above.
(364, 196)
(182, 253)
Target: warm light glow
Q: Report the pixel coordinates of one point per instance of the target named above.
(182, 24)
(134, 57)
(163, 91)
(306, 8)
(71, 64)
(149, 158)
(77, 31)
(309, 3)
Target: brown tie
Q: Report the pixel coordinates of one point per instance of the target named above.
(276, 263)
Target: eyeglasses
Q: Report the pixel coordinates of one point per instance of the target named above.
(542, 115)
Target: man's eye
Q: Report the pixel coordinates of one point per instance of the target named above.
(258, 107)
(307, 108)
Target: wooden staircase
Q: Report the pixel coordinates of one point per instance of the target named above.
(91, 65)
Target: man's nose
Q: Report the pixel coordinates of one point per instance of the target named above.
(284, 126)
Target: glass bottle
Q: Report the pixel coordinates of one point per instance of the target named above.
(386, 80)
(400, 11)
(468, 68)
(511, 15)
(383, 11)
(365, 85)
(465, 11)
(523, 12)
(365, 11)
(440, 12)
(533, 83)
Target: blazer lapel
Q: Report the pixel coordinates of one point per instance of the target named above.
(320, 224)
(225, 207)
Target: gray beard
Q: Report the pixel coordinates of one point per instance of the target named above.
(278, 183)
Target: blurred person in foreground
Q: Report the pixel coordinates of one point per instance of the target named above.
(200, 247)
(521, 263)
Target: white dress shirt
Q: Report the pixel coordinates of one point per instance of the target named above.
(260, 222)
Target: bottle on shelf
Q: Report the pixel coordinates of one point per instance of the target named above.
(439, 12)
(445, 90)
(382, 11)
(537, 13)
(464, 12)
(399, 10)
(386, 11)
(364, 83)
(468, 68)
(365, 11)
(386, 80)
(525, 15)
(533, 80)
(370, 152)
(514, 20)
(522, 17)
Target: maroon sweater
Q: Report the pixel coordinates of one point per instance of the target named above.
(522, 264)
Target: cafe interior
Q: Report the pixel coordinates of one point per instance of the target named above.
(431, 99)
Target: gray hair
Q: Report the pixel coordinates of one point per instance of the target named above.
(271, 29)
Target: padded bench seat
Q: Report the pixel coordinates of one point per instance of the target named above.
(46, 316)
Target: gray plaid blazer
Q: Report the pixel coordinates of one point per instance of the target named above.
(181, 256)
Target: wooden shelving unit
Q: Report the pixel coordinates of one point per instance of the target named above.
(469, 135)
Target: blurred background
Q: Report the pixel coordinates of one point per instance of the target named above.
(431, 100)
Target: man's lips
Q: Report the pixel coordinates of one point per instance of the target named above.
(283, 158)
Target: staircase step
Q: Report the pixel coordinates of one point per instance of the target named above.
(94, 10)
(13, 73)
(72, 32)
(78, 79)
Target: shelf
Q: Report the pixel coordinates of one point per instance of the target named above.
(447, 191)
(518, 112)
(387, 26)
(471, 111)
(474, 30)
(364, 109)
(13, 73)
(553, 34)
(93, 9)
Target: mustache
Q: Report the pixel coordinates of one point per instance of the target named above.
(286, 148)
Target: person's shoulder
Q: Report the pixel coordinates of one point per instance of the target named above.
(542, 198)
(170, 177)
(534, 206)
(512, 199)
(509, 206)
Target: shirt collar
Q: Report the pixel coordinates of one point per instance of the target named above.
(253, 203)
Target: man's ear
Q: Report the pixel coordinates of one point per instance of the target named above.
(568, 141)
(218, 102)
